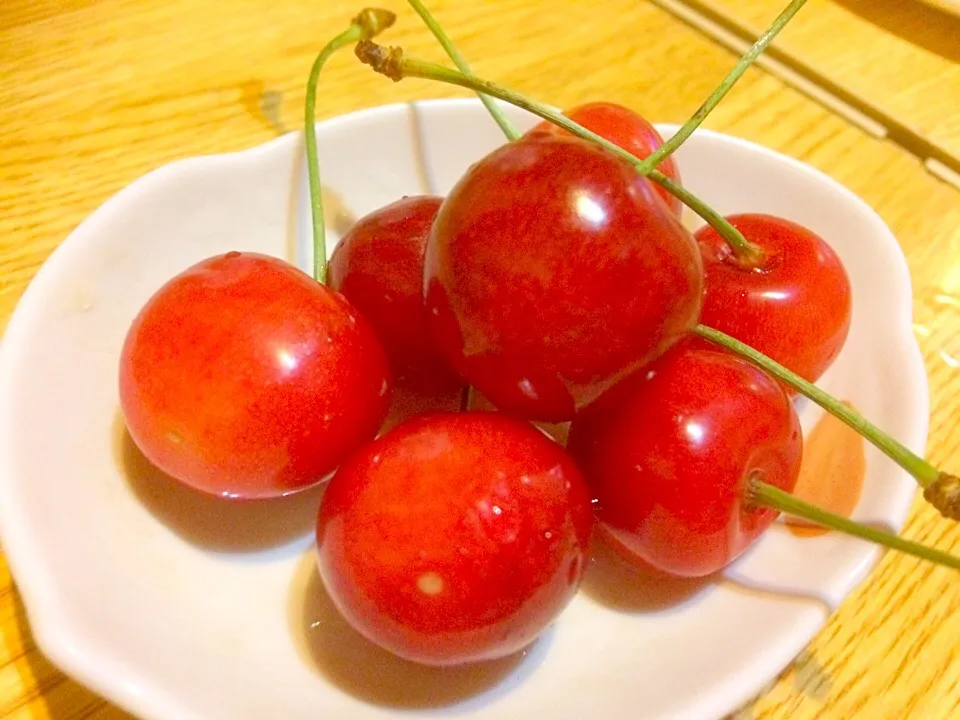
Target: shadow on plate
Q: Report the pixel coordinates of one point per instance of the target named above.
(214, 523)
(620, 584)
(345, 658)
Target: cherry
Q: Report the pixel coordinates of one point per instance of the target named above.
(454, 537)
(795, 308)
(243, 377)
(940, 488)
(553, 270)
(378, 266)
(669, 453)
(623, 127)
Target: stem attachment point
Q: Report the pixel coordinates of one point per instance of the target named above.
(944, 494)
(387, 61)
(394, 64)
(373, 21)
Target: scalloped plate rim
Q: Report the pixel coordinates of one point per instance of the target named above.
(49, 620)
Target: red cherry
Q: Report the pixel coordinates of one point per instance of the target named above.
(243, 377)
(796, 309)
(552, 271)
(624, 128)
(455, 537)
(378, 266)
(668, 454)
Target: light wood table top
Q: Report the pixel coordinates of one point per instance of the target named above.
(904, 70)
(94, 94)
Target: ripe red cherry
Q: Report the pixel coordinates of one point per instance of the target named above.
(378, 266)
(668, 454)
(454, 537)
(243, 377)
(795, 310)
(552, 271)
(624, 128)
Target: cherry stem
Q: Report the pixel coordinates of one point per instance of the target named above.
(941, 489)
(392, 63)
(369, 23)
(763, 494)
(746, 256)
(508, 128)
(686, 130)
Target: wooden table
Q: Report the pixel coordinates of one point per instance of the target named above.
(94, 93)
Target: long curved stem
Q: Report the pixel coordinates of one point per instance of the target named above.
(369, 23)
(941, 489)
(916, 466)
(508, 128)
(392, 63)
(686, 130)
(763, 494)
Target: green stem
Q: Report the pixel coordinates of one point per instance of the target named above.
(508, 128)
(392, 63)
(942, 489)
(760, 493)
(686, 130)
(745, 253)
(369, 23)
(919, 468)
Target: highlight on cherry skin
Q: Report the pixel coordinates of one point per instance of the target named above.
(455, 537)
(621, 126)
(668, 454)
(378, 267)
(532, 275)
(243, 377)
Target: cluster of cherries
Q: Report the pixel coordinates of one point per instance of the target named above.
(559, 284)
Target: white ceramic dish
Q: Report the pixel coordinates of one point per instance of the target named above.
(178, 608)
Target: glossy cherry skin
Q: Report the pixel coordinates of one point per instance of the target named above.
(243, 377)
(455, 537)
(796, 309)
(552, 271)
(668, 454)
(378, 267)
(624, 128)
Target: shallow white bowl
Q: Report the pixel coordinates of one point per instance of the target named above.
(180, 608)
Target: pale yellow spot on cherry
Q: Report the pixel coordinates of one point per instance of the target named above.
(430, 583)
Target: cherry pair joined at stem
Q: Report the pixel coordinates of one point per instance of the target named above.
(940, 488)
(925, 473)
(458, 537)
(393, 581)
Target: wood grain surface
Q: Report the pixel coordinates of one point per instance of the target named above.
(94, 93)
(904, 69)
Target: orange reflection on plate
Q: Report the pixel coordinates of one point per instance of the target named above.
(832, 472)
